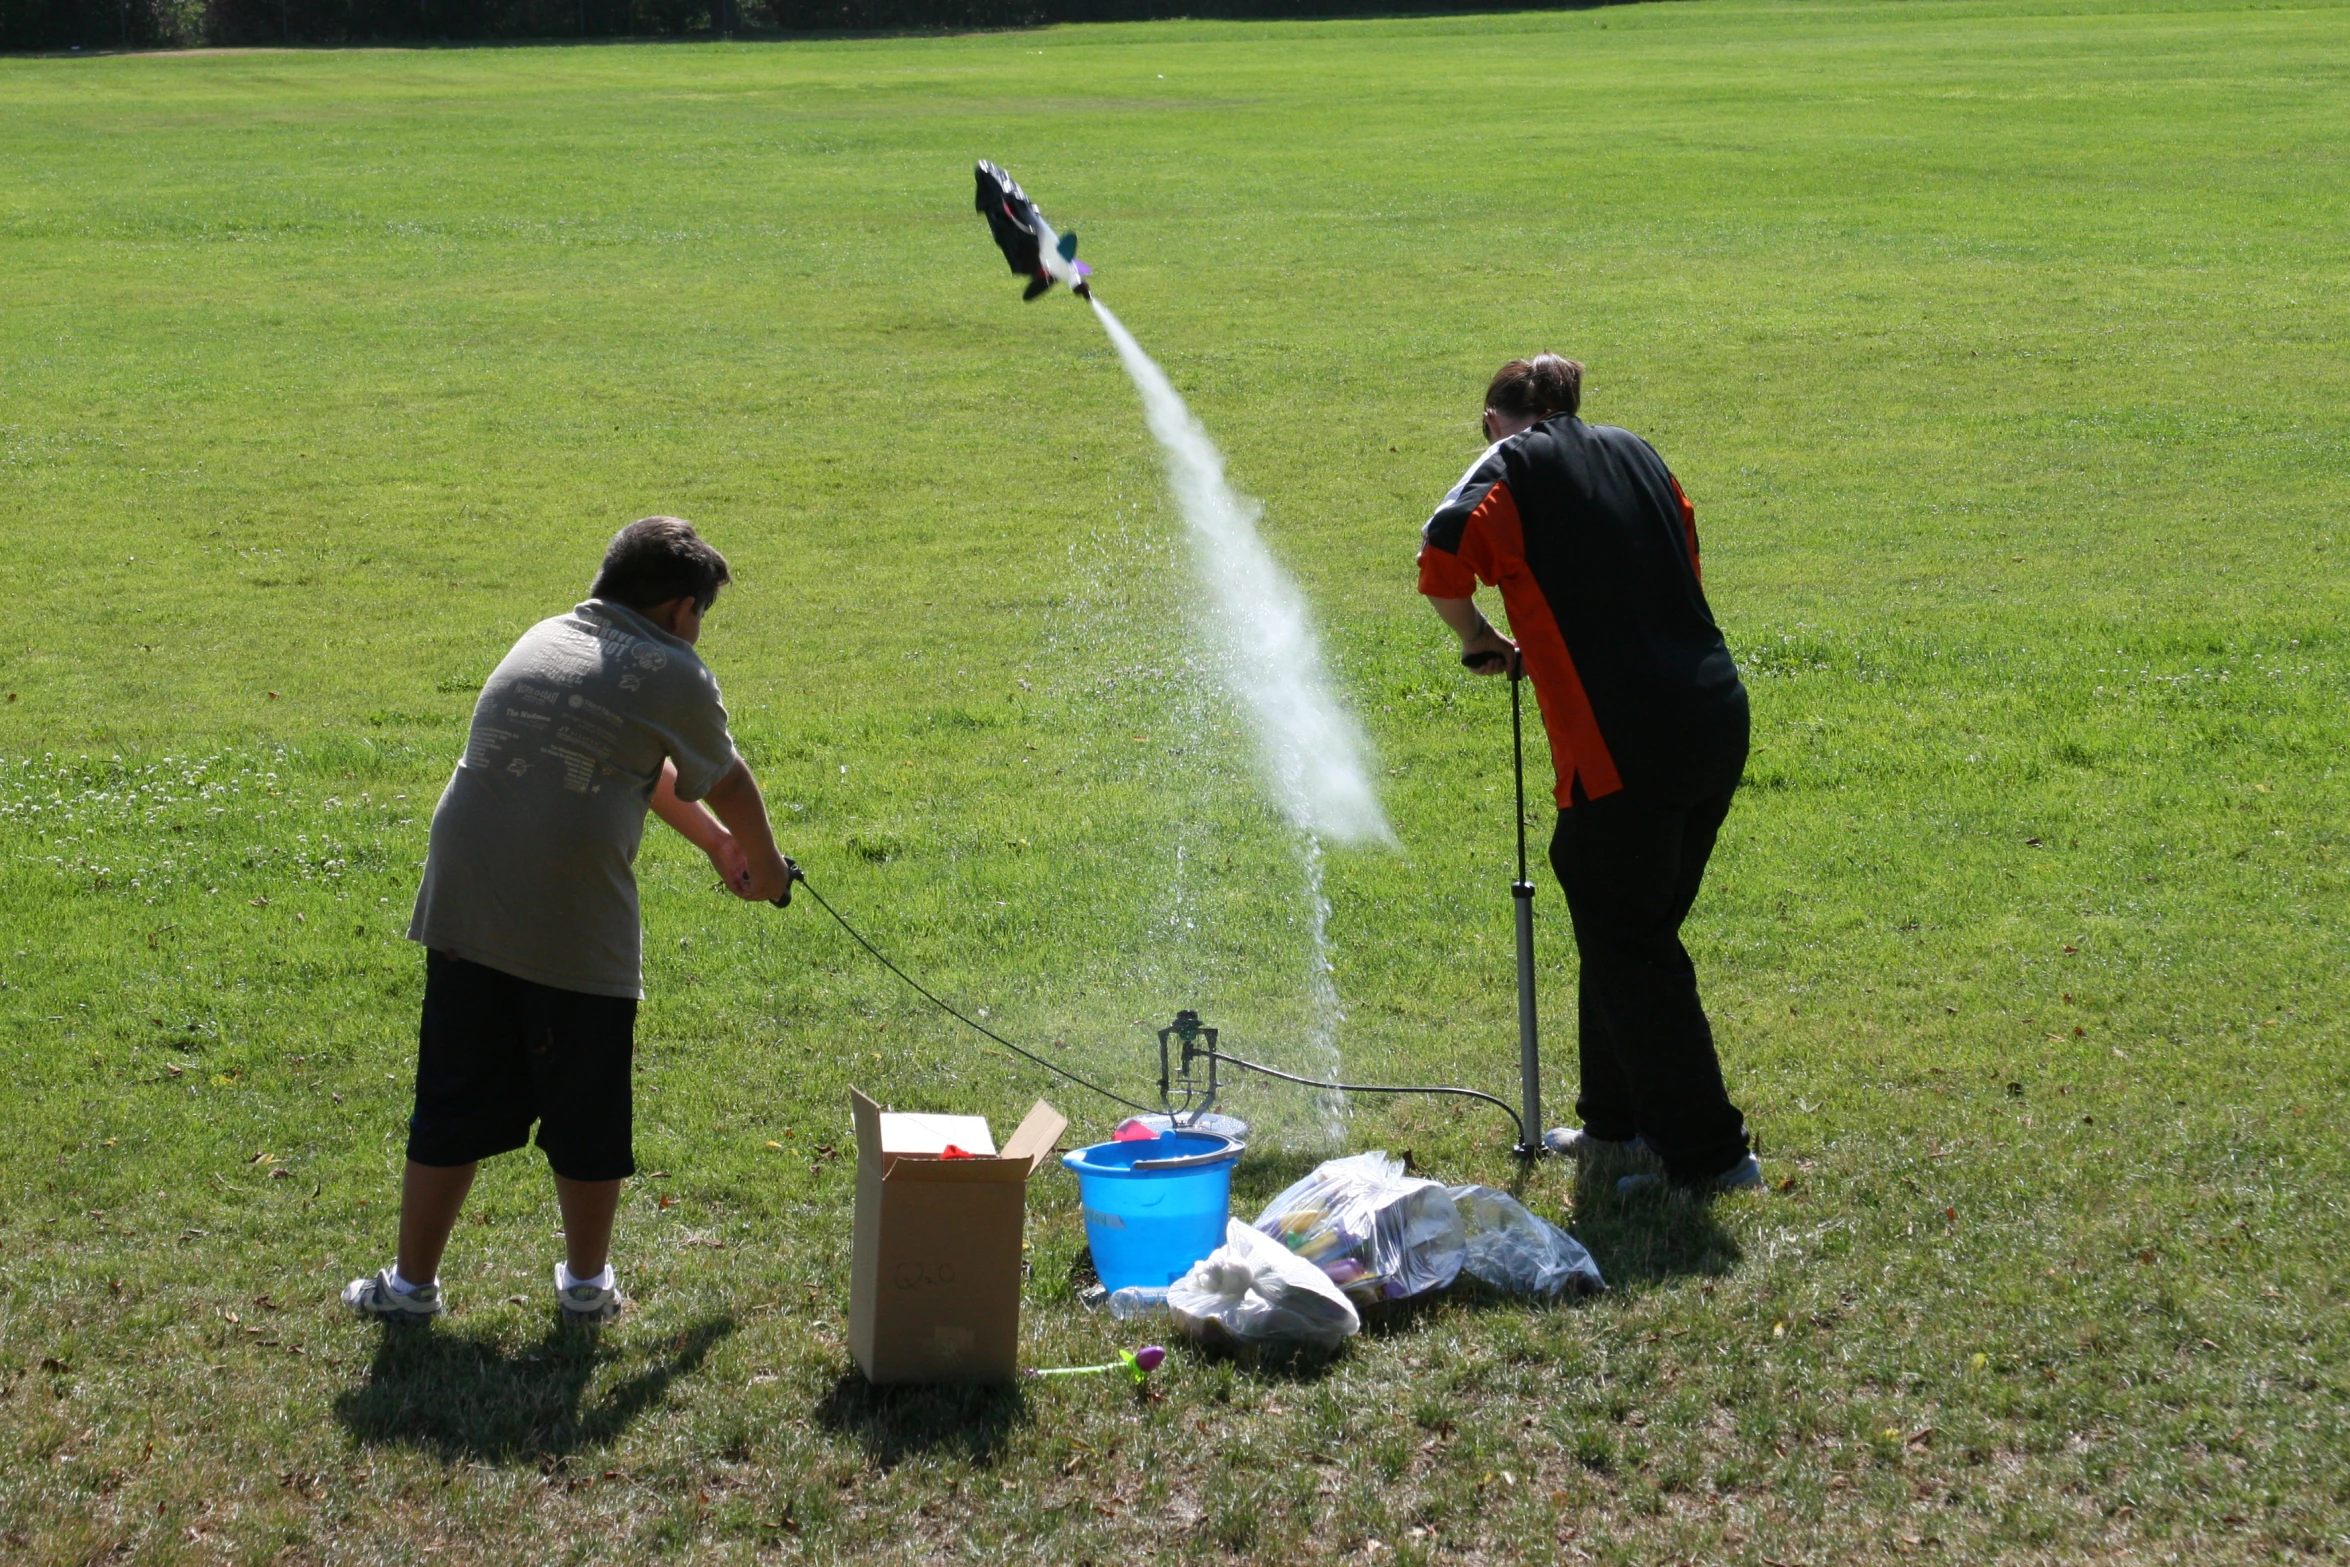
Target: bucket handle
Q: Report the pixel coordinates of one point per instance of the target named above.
(1197, 1161)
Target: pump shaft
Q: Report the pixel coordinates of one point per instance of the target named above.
(1522, 900)
(1529, 1046)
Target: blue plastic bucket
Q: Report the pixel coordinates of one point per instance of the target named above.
(1154, 1207)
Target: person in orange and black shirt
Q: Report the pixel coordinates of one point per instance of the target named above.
(1594, 548)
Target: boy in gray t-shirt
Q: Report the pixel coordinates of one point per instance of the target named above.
(528, 911)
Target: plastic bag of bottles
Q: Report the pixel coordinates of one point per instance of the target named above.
(1513, 1250)
(1375, 1232)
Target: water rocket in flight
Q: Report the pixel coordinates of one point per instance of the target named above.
(1029, 245)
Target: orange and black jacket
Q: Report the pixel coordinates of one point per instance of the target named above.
(1594, 548)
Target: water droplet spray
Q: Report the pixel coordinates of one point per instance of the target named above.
(1310, 751)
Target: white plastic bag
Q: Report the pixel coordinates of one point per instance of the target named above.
(1519, 1253)
(1376, 1232)
(1251, 1291)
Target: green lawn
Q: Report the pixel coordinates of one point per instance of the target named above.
(2001, 347)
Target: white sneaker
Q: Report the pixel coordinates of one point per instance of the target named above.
(584, 1303)
(1744, 1176)
(1572, 1142)
(375, 1300)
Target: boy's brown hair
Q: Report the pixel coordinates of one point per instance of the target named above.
(1536, 388)
(656, 559)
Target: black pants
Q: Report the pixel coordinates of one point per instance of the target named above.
(496, 1052)
(1631, 862)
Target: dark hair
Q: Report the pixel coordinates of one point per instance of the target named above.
(656, 559)
(1536, 387)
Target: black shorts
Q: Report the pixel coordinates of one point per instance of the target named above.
(495, 1053)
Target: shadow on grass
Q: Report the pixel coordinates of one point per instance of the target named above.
(1650, 1239)
(965, 1420)
(464, 1395)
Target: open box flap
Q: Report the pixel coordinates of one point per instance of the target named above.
(868, 1118)
(1020, 1157)
(1037, 1133)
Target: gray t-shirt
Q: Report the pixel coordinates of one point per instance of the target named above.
(535, 839)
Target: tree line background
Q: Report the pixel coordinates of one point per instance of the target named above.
(153, 24)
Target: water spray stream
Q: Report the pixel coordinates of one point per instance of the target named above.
(1322, 992)
(1310, 750)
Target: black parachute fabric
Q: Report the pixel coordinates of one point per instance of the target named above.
(1011, 218)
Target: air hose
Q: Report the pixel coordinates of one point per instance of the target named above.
(799, 876)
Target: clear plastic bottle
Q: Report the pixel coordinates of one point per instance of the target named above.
(1138, 1300)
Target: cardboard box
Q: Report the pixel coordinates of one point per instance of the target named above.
(934, 1271)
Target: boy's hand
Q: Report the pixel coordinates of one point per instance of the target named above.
(765, 883)
(1487, 652)
(735, 801)
(732, 864)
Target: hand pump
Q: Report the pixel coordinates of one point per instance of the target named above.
(1522, 894)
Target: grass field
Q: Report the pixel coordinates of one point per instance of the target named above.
(2001, 347)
